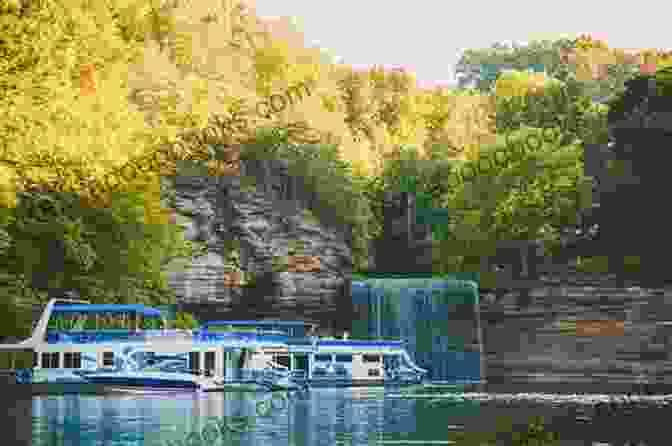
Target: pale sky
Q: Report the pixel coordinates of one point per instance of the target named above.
(426, 36)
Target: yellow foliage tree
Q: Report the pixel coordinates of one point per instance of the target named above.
(94, 85)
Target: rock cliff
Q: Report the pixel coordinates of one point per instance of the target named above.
(263, 211)
(553, 336)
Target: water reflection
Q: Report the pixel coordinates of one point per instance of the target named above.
(359, 416)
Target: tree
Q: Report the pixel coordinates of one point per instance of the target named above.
(638, 172)
(114, 254)
(483, 65)
(530, 195)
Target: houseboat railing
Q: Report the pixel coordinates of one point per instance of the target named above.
(93, 336)
(205, 336)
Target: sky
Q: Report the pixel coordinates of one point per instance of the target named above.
(427, 36)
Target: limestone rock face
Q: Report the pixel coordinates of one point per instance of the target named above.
(267, 220)
(576, 329)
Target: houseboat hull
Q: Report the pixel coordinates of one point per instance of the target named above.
(144, 381)
(52, 389)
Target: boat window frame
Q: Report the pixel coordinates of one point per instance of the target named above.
(275, 357)
(105, 357)
(349, 355)
(331, 357)
(194, 354)
(72, 360)
(47, 361)
(209, 354)
(301, 356)
(369, 355)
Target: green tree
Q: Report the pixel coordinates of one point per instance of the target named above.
(54, 242)
(478, 63)
(484, 65)
(516, 194)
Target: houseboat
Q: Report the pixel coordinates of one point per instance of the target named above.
(129, 348)
(328, 362)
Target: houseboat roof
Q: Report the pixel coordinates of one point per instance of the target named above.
(110, 308)
(360, 343)
(265, 322)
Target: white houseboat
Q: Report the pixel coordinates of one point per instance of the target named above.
(127, 348)
(124, 347)
(329, 362)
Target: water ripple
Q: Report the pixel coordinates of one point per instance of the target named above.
(583, 399)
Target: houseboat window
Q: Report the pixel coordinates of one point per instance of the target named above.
(106, 321)
(80, 322)
(194, 363)
(374, 372)
(90, 321)
(50, 360)
(282, 359)
(209, 361)
(108, 359)
(343, 358)
(72, 360)
(301, 362)
(371, 358)
(67, 321)
(115, 321)
(322, 358)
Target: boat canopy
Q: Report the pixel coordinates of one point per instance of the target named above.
(107, 308)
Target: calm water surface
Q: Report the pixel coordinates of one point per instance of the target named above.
(355, 416)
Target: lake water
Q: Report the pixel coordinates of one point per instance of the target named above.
(352, 416)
